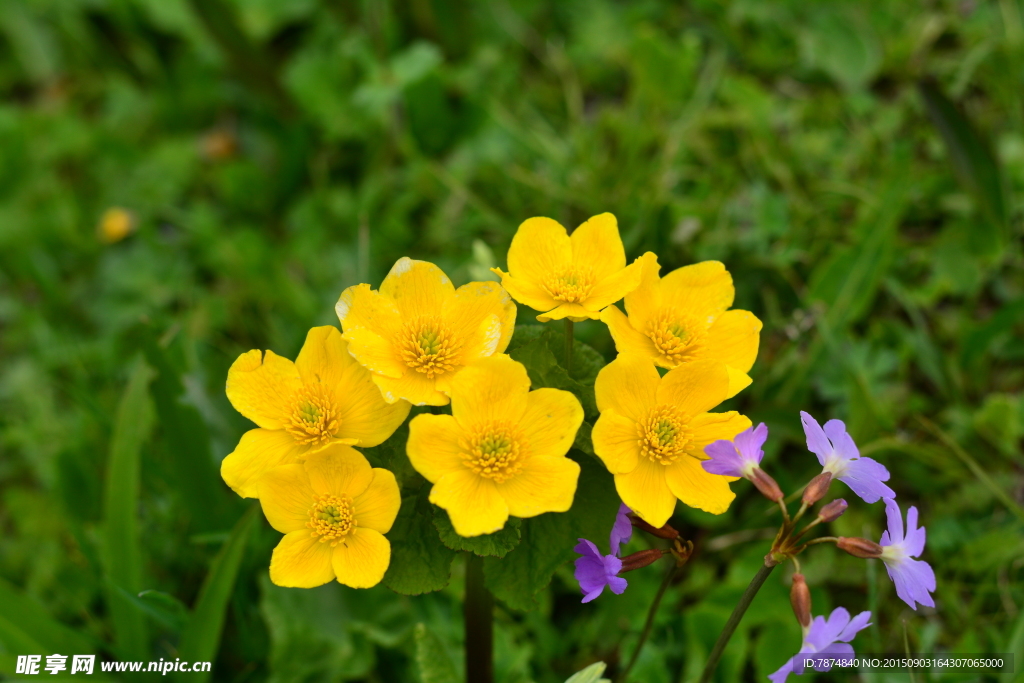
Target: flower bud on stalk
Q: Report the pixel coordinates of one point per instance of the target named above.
(766, 485)
(859, 547)
(641, 558)
(832, 511)
(666, 531)
(817, 489)
(800, 598)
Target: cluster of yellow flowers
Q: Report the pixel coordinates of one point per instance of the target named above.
(503, 449)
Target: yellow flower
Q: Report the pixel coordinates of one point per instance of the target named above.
(334, 510)
(115, 224)
(502, 450)
(418, 331)
(324, 397)
(568, 277)
(652, 432)
(683, 317)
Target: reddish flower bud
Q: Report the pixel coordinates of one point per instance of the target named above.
(766, 485)
(661, 532)
(641, 558)
(800, 598)
(859, 547)
(817, 489)
(832, 511)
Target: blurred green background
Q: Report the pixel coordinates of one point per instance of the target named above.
(857, 167)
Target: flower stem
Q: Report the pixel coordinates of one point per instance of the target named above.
(650, 621)
(734, 621)
(478, 612)
(568, 347)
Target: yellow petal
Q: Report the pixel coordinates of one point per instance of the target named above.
(551, 421)
(374, 352)
(256, 452)
(414, 387)
(539, 249)
(526, 292)
(473, 503)
(483, 315)
(574, 312)
(433, 446)
(614, 287)
(377, 506)
(644, 301)
(628, 340)
(361, 307)
(627, 385)
(596, 245)
(262, 387)
(361, 560)
(733, 339)
(646, 492)
(286, 497)
(738, 381)
(697, 488)
(545, 484)
(300, 561)
(616, 442)
(711, 427)
(339, 470)
(704, 289)
(695, 387)
(417, 287)
(323, 357)
(490, 389)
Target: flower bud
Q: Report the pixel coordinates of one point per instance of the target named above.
(640, 559)
(766, 485)
(817, 489)
(661, 532)
(859, 547)
(832, 511)
(800, 598)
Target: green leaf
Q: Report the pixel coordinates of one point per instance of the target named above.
(544, 371)
(420, 563)
(973, 163)
(201, 637)
(27, 627)
(548, 540)
(432, 661)
(497, 544)
(122, 555)
(592, 674)
(161, 607)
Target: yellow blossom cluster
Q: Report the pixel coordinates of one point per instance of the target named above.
(502, 450)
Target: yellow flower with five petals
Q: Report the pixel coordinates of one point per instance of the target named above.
(684, 317)
(502, 450)
(652, 432)
(334, 510)
(324, 397)
(418, 331)
(568, 276)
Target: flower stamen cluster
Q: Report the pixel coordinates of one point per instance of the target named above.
(429, 346)
(664, 434)
(679, 337)
(331, 518)
(495, 451)
(315, 419)
(571, 285)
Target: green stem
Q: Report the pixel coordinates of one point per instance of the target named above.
(478, 611)
(650, 621)
(734, 621)
(568, 347)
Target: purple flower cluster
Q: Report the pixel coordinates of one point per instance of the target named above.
(825, 637)
(594, 571)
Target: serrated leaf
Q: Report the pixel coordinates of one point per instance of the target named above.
(497, 544)
(432, 661)
(420, 562)
(544, 371)
(592, 674)
(391, 456)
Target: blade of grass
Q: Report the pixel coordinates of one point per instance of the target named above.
(201, 638)
(1015, 644)
(21, 618)
(122, 555)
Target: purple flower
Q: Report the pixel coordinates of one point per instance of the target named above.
(914, 579)
(594, 571)
(838, 455)
(830, 637)
(622, 529)
(739, 457)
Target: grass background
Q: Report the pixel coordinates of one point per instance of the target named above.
(857, 167)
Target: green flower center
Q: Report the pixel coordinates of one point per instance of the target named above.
(678, 337)
(572, 285)
(495, 450)
(664, 434)
(428, 345)
(315, 418)
(331, 519)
